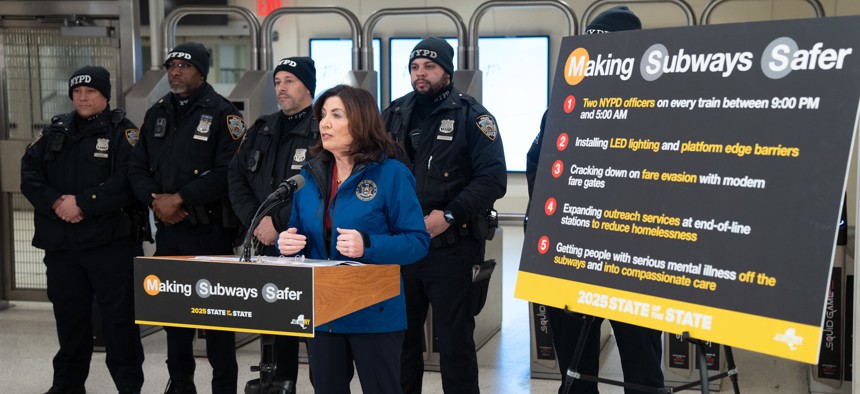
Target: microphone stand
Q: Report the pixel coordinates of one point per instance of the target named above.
(266, 383)
(269, 205)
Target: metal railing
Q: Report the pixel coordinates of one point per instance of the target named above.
(172, 20)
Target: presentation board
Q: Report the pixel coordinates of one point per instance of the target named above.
(691, 180)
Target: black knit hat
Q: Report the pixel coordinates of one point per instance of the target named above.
(614, 19)
(93, 76)
(436, 50)
(193, 53)
(300, 66)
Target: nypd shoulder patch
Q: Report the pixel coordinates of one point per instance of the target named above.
(236, 126)
(38, 137)
(487, 125)
(132, 136)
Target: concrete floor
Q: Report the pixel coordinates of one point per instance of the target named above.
(28, 342)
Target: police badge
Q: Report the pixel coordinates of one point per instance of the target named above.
(202, 132)
(446, 127)
(299, 158)
(102, 145)
(236, 126)
(487, 125)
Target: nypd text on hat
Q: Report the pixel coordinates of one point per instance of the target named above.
(79, 79)
(287, 62)
(423, 53)
(180, 55)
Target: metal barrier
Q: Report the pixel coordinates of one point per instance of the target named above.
(706, 14)
(257, 84)
(153, 84)
(683, 5)
(373, 19)
(269, 23)
(172, 20)
(474, 22)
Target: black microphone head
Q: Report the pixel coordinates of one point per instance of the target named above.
(298, 180)
(287, 187)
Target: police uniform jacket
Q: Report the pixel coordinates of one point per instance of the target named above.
(187, 154)
(459, 163)
(265, 158)
(533, 156)
(532, 160)
(91, 164)
(378, 199)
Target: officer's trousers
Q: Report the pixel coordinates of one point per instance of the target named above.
(187, 240)
(640, 349)
(442, 279)
(74, 278)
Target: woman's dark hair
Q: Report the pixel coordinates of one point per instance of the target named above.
(370, 141)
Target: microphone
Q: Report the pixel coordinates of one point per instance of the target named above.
(278, 197)
(287, 187)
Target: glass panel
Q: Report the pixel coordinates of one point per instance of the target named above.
(28, 272)
(38, 64)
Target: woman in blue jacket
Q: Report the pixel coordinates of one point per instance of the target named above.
(359, 204)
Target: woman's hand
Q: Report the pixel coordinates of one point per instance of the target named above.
(350, 243)
(290, 243)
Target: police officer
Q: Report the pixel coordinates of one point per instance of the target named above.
(179, 169)
(640, 348)
(459, 166)
(274, 149)
(75, 175)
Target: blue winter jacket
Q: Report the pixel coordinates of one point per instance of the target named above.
(378, 199)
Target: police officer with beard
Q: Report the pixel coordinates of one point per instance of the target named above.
(274, 149)
(459, 166)
(179, 169)
(75, 175)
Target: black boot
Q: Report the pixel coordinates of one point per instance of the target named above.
(180, 387)
(66, 389)
(285, 386)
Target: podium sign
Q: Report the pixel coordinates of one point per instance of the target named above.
(691, 180)
(233, 296)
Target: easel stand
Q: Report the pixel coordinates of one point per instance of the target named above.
(588, 321)
(266, 383)
(731, 372)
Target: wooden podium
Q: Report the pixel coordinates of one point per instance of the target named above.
(221, 293)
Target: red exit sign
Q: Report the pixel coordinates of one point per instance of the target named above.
(265, 7)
